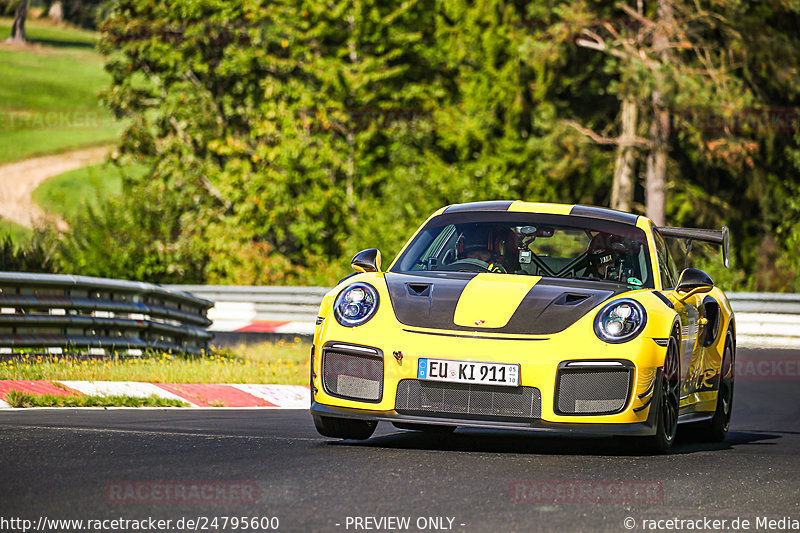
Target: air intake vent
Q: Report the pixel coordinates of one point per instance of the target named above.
(456, 400)
(419, 289)
(571, 299)
(351, 374)
(594, 391)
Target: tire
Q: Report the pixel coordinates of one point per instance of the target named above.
(425, 428)
(667, 396)
(344, 428)
(716, 429)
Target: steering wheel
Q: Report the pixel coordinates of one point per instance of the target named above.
(469, 265)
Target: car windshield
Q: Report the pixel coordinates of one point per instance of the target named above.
(531, 244)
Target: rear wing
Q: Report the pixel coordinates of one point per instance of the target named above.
(720, 237)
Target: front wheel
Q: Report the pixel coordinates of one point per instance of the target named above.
(667, 395)
(344, 428)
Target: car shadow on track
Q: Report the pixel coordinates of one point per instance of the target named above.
(469, 440)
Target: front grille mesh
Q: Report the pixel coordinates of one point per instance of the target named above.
(593, 391)
(352, 376)
(456, 399)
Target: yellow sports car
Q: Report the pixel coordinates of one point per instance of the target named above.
(548, 318)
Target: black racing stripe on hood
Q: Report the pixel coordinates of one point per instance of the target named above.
(552, 305)
(435, 310)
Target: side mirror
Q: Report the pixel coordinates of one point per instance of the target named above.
(367, 261)
(693, 281)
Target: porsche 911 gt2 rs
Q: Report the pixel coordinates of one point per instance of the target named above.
(548, 318)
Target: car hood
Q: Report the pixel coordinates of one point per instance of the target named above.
(497, 303)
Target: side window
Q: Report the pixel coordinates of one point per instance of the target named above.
(671, 267)
(666, 266)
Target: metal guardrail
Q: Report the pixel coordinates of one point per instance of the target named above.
(762, 319)
(765, 302)
(66, 313)
(767, 320)
(245, 303)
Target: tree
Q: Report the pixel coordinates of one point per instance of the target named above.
(704, 100)
(284, 136)
(18, 27)
(656, 177)
(273, 124)
(666, 54)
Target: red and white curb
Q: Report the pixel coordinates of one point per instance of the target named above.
(195, 394)
(263, 326)
(243, 317)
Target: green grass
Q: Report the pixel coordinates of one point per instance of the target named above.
(46, 33)
(16, 398)
(22, 144)
(19, 234)
(67, 194)
(277, 363)
(49, 96)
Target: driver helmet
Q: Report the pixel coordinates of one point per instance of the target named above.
(477, 238)
(478, 241)
(604, 255)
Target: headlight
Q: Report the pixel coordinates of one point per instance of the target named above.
(620, 321)
(356, 304)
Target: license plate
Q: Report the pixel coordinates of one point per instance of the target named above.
(468, 372)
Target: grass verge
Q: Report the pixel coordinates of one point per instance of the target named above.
(16, 398)
(282, 363)
(19, 234)
(49, 96)
(67, 194)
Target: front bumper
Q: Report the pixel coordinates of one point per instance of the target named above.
(646, 428)
(371, 391)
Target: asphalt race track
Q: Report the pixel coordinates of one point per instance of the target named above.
(132, 464)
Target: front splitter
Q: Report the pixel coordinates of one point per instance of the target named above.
(637, 429)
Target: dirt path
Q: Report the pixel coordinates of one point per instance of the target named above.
(19, 179)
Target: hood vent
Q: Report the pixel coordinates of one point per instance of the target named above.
(569, 298)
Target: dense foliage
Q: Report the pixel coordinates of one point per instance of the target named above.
(284, 136)
(31, 258)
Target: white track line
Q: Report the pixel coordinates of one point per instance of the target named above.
(173, 433)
